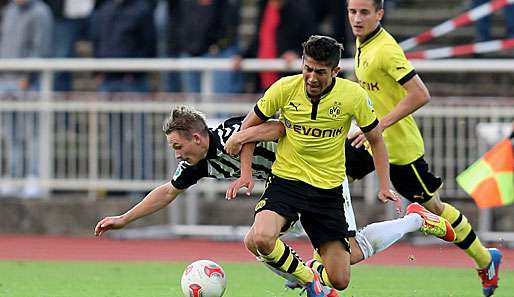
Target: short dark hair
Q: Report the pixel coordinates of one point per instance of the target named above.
(323, 49)
(186, 121)
(379, 4)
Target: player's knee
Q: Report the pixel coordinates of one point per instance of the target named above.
(340, 283)
(339, 279)
(250, 244)
(263, 242)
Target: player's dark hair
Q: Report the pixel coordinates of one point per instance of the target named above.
(186, 121)
(378, 4)
(323, 49)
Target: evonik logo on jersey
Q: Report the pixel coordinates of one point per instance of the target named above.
(370, 86)
(314, 132)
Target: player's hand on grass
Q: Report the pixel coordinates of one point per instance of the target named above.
(108, 223)
(235, 186)
(233, 145)
(386, 195)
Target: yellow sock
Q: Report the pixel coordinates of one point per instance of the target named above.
(466, 238)
(317, 264)
(283, 259)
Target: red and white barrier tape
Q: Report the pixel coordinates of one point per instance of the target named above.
(459, 21)
(460, 50)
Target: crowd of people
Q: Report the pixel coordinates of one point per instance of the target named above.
(165, 28)
(160, 28)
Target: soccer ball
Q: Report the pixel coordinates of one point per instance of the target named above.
(203, 278)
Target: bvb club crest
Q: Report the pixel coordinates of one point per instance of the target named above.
(335, 110)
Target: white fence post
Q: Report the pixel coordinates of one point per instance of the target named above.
(46, 130)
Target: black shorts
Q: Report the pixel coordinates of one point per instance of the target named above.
(414, 181)
(320, 211)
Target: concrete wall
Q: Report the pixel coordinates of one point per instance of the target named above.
(77, 216)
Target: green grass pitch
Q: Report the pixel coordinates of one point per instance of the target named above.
(150, 279)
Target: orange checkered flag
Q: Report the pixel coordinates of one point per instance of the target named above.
(490, 180)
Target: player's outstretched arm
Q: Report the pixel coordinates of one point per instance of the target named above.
(158, 198)
(380, 159)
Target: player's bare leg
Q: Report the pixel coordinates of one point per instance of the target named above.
(336, 258)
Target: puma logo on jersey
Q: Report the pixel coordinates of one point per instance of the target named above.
(398, 68)
(295, 106)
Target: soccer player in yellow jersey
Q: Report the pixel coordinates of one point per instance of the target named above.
(316, 109)
(396, 92)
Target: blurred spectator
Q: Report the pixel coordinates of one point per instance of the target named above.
(169, 81)
(2, 4)
(209, 29)
(126, 29)
(71, 24)
(26, 32)
(161, 19)
(483, 25)
(332, 20)
(281, 28)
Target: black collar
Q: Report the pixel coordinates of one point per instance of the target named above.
(214, 143)
(329, 89)
(372, 34)
(326, 91)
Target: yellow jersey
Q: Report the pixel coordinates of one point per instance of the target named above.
(312, 150)
(381, 69)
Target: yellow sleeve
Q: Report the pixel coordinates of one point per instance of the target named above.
(271, 102)
(363, 111)
(396, 64)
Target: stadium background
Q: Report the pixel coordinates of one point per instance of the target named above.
(77, 184)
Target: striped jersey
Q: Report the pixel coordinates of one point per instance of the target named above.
(220, 165)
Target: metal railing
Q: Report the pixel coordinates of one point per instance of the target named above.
(87, 142)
